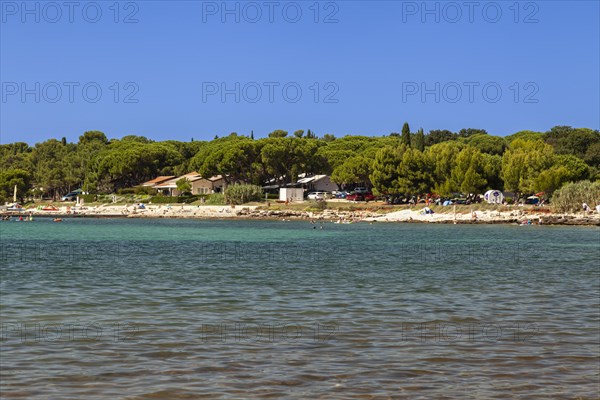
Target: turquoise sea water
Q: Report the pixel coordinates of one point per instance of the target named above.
(164, 309)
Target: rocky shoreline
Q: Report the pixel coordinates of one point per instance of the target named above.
(517, 215)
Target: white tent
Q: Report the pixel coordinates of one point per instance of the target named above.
(494, 197)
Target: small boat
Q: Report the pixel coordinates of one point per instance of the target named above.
(14, 207)
(57, 220)
(50, 208)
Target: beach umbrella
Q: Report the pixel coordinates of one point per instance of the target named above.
(15, 194)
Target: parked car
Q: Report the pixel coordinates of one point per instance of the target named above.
(368, 196)
(318, 195)
(361, 190)
(460, 201)
(69, 197)
(339, 194)
(72, 196)
(354, 197)
(532, 200)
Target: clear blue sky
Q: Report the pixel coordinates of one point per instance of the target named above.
(371, 62)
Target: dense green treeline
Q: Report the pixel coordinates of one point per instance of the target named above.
(441, 161)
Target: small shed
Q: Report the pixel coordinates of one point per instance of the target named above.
(291, 194)
(493, 197)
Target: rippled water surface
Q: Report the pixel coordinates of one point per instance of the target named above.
(169, 309)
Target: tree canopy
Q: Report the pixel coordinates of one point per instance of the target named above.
(440, 161)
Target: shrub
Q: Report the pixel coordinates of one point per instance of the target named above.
(126, 191)
(571, 196)
(216, 199)
(190, 199)
(88, 198)
(316, 205)
(240, 194)
(164, 200)
(174, 200)
(139, 190)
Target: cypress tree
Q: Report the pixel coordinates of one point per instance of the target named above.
(405, 135)
(420, 140)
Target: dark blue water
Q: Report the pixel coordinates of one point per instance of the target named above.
(252, 309)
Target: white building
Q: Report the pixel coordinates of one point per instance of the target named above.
(198, 184)
(318, 183)
(291, 194)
